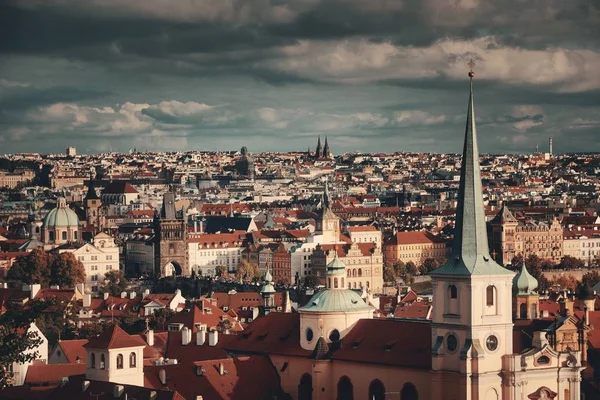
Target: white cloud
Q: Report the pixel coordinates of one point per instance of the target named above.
(11, 84)
(526, 124)
(176, 108)
(418, 117)
(579, 122)
(359, 60)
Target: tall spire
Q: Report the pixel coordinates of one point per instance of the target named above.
(470, 252)
(318, 149)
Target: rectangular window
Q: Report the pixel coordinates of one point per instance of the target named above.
(108, 258)
(94, 258)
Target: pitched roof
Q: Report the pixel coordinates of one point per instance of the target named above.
(400, 343)
(119, 187)
(114, 337)
(73, 350)
(52, 373)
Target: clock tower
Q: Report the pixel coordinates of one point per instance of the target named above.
(472, 327)
(328, 224)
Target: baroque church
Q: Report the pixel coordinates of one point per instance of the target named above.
(471, 349)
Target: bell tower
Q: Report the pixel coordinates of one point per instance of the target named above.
(328, 224)
(472, 321)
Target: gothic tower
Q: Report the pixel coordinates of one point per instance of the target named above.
(503, 230)
(472, 327)
(328, 224)
(326, 151)
(171, 240)
(318, 149)
(92, 205)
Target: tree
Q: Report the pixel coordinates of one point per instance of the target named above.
(66, 270)
(310, 281)
(16, 346)
(591, 278)
(221, 270)
(91, 329)
(248, 272)
(389, 274)
(517, 261)
(570, 263)
(159, 319)
(565, 282)
(224, 325)
(114, 283)
(429, 265)
(30, 269)
(400, 268)
(412, 268)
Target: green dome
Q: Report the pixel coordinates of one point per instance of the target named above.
(268, 287)
(523, 282)
(336, 267)
(61, 216)
(328, 300)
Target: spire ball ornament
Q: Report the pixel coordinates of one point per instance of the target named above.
(471, 64)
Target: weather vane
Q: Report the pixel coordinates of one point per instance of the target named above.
(471, 65)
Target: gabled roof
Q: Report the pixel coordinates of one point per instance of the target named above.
(119, 187)
(73, 350)
(38, 374)
(114, 337)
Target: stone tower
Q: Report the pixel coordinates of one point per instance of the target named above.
(472, 326)
(171, 246)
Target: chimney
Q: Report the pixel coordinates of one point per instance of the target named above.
(118, 392)
(185, 336)
(54, 287)
(201, 227)
(35, 288)
(539, 339)
(105, 296)
(87, 300)
(221, 369)
(146, 293)
(562, 304)
(3, 285)
(195, 226)
(213, 338)
(162, 375)
(200, 337)
(123, 295)
(150, 337)
(586, 313)
(132, 295)
(85, 385)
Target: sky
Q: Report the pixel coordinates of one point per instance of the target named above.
(273, 75)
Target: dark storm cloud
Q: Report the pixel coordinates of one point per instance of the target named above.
(367, 73)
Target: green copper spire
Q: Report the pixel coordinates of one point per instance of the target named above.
(470, 252)
(524, 282)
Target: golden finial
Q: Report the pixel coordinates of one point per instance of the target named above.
(471, 65)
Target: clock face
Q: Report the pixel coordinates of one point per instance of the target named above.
(491, 343)
(451, 343)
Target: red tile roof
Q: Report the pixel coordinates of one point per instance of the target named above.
(114, 337)
(52, 374)
(389, 342)
(74, 350)
(276, 333)
(401, 238)
(417, 309)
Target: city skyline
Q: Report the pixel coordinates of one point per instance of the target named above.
(376, 77)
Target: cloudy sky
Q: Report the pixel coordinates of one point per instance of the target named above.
(372, 75)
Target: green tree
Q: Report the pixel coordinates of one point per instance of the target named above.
(16, 339)
(412, 268)
(159, 319)
(114, 283)
(517, 261)
(33, 268)
(570, 263)
(429, 264)
(400, 268)
(221, 270)
(310, 282)
(91, 329)
(591, 278)
(66, 270)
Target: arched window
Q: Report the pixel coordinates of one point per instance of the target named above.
(75, 235)
(367, 284)
(345, 390)
(409, 392)
(342, 285)
(132, 360)
(523, 310)
(64, 235)
(102, 361)
(360, 272)
(37, 229)
(349, 273)
(335, 283)
(329, 280)
(52, 235)
(119, 361)
(376, 390)
(490, 294)
(452, 292)
(354, 284)
(93, 360)
(354, 272)
(171, 249)
(305, 388)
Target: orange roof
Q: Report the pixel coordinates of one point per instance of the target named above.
(365, 228)
(414, 238)
(52, 373)
(114, 338)
(73, 350)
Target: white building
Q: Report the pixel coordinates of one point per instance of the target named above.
(209, 251)
(98, 258)
(19, 370)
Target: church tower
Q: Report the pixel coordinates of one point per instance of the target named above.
(328, 224)
(503, 230)
(472, 327)
(92, 205)
(171, 246)
(525, 299)
(318, 149)
(326, 151)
